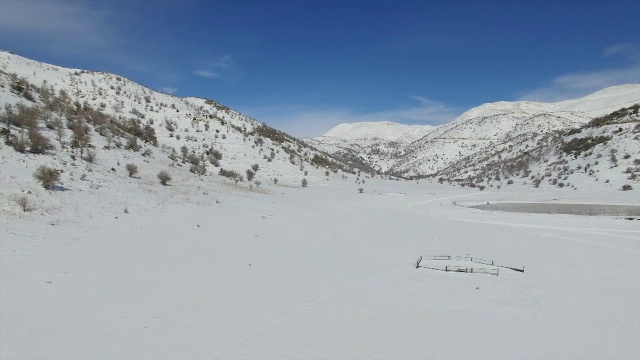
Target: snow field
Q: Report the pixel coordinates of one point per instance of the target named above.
(320, 272)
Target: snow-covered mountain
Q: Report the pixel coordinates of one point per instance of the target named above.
(474, 134)
(125, 122)
(497, 124)
(383, 130)
(122, 122)
(374, 144)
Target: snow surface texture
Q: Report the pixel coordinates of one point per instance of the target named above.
(321, 272)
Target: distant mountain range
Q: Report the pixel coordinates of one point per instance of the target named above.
(477, 133)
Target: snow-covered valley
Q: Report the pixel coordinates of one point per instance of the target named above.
(317, 272)
(309, 255)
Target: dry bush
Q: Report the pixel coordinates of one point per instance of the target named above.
(164, 177)
(90, 156)
(47, 176)
(132, 143)
(132, 169)
(20, 142)
(23, 202)
(39, 143)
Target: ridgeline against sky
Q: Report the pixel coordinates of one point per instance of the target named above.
(306, 66)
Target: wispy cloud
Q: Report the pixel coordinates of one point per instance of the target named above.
(63, 26)
(575, 85)
(206, 74)
(223, 62)
(168, 90)
(223, 67)
(305, 122)
(628, 50)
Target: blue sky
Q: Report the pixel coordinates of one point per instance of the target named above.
(306, 66)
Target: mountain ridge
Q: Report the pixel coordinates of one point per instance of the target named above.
(478, 129)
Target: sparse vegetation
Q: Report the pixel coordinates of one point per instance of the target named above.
(250, 174)
(47, 176)
(132, 169)
(90, 156)
(23, 202)
(576, 146)
(39, 143)
(164, 177)
(230, 174)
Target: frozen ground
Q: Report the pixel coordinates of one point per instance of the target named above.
(322, 272)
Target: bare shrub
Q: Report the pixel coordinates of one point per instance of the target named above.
(79, 139)
(216, 154)
(164, 177)
(250, 174)
(132, 143)
(200, 169)
(537, 181)
(627, 187)
(147, 152)
(23, 202)
(132, 169)
(39, 143)
(20, 142)
(193, 159)
(90, 157)
(47, 176)
(304, 182)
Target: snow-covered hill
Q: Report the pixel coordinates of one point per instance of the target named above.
(384, 130)
(602, 154)
(376, 144)
(475, 134)
(124, 122)
(496, 124)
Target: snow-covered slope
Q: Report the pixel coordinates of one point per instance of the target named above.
(180, 132)
(497, 124)
(376, 144)
(602, 154)
(603, 102)
(384, 130)
(408, 151)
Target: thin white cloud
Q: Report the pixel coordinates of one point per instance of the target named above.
(168, 90)
(223, 62)
(628, 49)
(63, 26)
(206, 74)
(575, 85)
(303, 122)
(222, 68)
